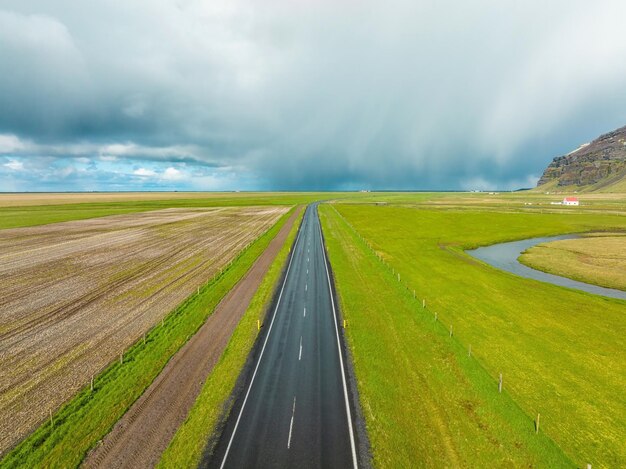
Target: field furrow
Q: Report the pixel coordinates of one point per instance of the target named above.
(74, 295)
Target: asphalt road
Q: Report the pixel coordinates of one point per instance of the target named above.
(294, 409)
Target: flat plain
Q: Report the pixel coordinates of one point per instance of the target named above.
(560, 351)
(426, 399)
(599, 259)
(74, 295)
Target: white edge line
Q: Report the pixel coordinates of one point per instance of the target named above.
(343, 375)
(269, 330)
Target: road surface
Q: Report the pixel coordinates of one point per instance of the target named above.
(294, 409)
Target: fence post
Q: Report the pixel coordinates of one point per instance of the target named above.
(500, 384)
(537, 423)
(450, 330)
(92, 382)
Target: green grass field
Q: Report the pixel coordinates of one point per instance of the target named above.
(561, 352)
(86, 418)
(426, 402)
(186, 448)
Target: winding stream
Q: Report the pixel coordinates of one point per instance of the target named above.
(504, 256)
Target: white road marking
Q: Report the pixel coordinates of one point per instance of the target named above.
(306, 287)
(293, 412)
(304, 312)
(256, 368)
(300, 355)
(343, 375)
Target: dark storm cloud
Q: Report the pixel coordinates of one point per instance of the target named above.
(303, 95)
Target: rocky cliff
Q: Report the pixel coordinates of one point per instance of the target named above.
(593, 163)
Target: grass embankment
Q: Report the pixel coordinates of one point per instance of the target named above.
(561, 351)
(90, 415)
(426, 402)
(600, 260)
(73, 209)
(188, 444)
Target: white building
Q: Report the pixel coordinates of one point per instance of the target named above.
(570, 201)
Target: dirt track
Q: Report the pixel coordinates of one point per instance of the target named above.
(74, 295)
(144, 432)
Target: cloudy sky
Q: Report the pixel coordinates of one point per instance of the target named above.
(302, 94)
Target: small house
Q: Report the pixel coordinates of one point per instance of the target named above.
(570, 201)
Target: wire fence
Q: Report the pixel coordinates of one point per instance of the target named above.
(423, 307)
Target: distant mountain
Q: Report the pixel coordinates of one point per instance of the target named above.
(596, 166)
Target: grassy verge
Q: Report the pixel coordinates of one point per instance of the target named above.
(90, 415)
(187, 446)
(600, 260)
(560, 351)
(425, 401)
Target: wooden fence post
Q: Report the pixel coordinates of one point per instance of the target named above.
(500, 384)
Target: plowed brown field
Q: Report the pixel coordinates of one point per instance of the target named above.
(73, 295)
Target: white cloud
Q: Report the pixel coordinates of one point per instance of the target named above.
(14, 165)
(173, 174)
(143, 172)
(11, 144)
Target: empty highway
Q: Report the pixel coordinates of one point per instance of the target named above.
(294, 409)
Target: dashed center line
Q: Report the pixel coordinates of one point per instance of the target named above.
(304, 315)
(293, 412)
(300, 354)
(306, 287)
